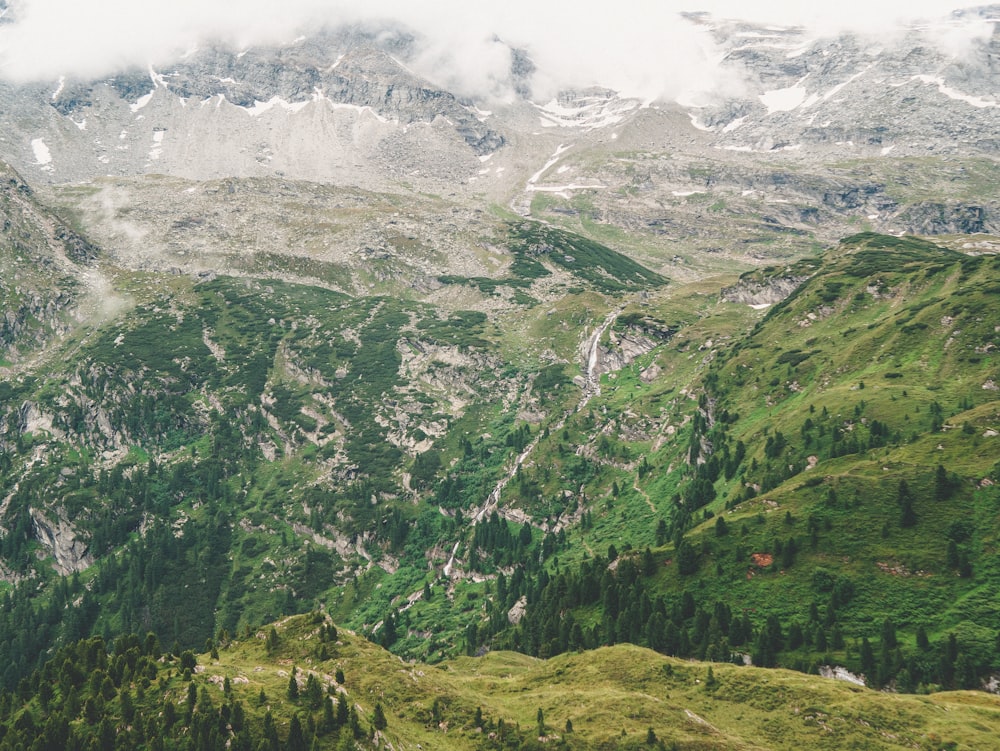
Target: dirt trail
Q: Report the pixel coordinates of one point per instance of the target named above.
(644, 494)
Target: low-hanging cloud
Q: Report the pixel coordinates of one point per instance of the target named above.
(642, 48)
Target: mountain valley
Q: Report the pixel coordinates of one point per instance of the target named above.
(600, 422)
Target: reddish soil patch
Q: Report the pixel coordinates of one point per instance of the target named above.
(762, 560)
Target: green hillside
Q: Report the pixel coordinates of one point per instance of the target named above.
(574, 458)
(827, 498)
(304, 684)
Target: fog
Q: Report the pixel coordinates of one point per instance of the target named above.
(642, 48)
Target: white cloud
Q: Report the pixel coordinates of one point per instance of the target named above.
(640, 47)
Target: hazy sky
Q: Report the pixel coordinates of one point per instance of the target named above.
(641, 47)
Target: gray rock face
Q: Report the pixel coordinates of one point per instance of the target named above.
(771, 291)
(337, 99)
(70, 554)
(39, 257)
(825, 136)
(906, 94)
(932, 218)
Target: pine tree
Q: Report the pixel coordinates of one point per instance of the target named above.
(867, 658)
(711, 682)
(270, 733)
(907, 516)
(378, 717)
(329, 721)
(889, 640)
(343, 715)
(923, 643)
(296, 741)
(942, 484)
(314, 691)
(271, 644)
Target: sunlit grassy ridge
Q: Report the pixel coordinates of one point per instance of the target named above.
(622, 697)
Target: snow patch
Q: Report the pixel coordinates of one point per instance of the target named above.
(886, 150)
(142, 101)
(59, 88)
(975, 101)
(157, 150)
(563, 191)
(798, 51)
(560, 150)
(836, 89)
(259, 107)
(786, 100)
(42, 154)
(360, 110)
(82, 125)
(731, 126)
(590, 113)
(698, 123)
(686, 193)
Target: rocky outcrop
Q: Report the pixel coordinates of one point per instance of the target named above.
(930, 218)
(344, 66)
(69, 553)
(35, 421)
(623, 349)
(751, 291)
(33, 314)
(38, 257)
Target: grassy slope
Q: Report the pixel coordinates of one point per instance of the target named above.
(895, 331)
(612, 696)
(888, 333)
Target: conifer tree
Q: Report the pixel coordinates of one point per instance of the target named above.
(378, 717)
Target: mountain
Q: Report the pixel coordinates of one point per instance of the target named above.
(821, 136)
(513, 389)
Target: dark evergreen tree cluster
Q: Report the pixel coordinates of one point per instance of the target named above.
(87, 698)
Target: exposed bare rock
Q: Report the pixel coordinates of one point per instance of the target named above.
(651, 373)
(622, 350)
(770, 291)
(35, 421)
(70, 554)
(516, 613)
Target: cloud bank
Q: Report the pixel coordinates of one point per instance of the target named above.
(642, 48)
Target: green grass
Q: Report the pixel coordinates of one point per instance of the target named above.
(612, 697)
